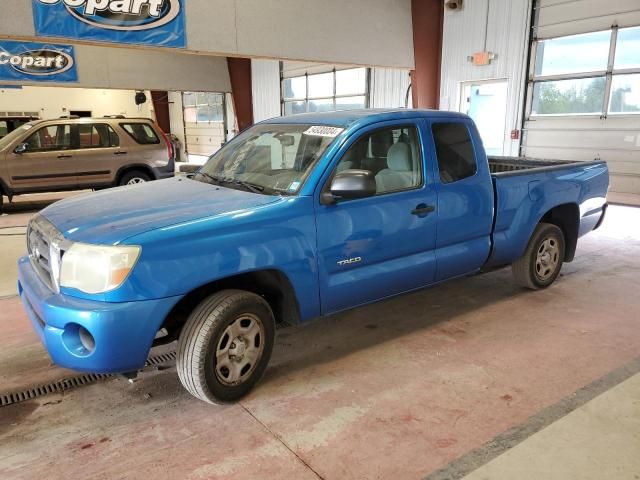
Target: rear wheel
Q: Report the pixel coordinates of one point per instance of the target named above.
(134, 177)
(542, 260)
(225, 346)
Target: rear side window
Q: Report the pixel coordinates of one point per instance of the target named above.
(456, 159)
(142, 133)
(97, 136)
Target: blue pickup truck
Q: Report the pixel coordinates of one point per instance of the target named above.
(297, 217)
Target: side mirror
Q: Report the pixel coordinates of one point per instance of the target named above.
(349, 185)
(20, 149)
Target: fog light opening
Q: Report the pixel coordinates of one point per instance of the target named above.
(86, 339)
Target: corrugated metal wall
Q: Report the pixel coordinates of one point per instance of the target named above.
(615, 138)
(389, 88)
(265, 80)
(500, 27)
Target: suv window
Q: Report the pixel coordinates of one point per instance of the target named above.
(456, 159)
(392, 154)
(51, 137)
(142, 133)
(97, 136)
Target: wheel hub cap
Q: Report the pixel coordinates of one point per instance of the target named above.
(547, 258)
(239, 350)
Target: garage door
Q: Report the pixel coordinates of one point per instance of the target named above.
(583, 99)
(204, 120)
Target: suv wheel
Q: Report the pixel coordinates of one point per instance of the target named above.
(225, 346)
(542, 260)
(134, 177)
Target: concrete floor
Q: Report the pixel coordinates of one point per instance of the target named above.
(436, 384)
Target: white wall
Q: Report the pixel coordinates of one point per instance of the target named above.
(366, 32)
(506, 36)
(50, 102)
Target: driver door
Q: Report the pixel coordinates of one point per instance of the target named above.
(378, 246)
(47, 162)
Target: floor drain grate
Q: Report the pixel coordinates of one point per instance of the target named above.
(71, 383)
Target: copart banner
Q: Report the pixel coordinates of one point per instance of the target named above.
(144, 22)
(37, 62)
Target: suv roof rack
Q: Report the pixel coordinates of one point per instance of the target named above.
(114, 116)
(69, 116)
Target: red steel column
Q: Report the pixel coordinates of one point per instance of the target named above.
(428, 17)
(240, 75)
(160, 101)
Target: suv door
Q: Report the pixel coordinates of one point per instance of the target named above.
(98, 153)
(47, 161)
(375, 247)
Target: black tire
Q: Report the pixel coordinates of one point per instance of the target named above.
(205, 332)
(132, 175)
(531, 273)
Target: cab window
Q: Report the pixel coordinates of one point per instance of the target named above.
(392, 154)
(456, 158)
(51, 137)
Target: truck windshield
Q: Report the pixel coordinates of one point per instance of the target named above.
(272, 159)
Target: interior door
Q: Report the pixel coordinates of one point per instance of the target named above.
(375, 247)
(98, 153)
(47, 162)
(486, 103)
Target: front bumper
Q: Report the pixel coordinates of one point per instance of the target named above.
(120, 334)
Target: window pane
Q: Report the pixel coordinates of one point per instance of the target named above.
(584, 95)
(351, 82)
(53, 137)
(88, 136)
(295, 87)
(190, 114)
(324, 105)
(628, 48)
(321, 85)
(391, 154)
(141, 133)
(625, 94)
(454, 150)
(350, 103)
(578, 53)
(203, 114)
(189, 99)
(4, 128)
(294, 107)
(202, 98)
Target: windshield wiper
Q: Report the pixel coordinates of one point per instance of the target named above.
(249, 186)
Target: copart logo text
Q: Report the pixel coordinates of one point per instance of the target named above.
(38, 62)
(132, 15)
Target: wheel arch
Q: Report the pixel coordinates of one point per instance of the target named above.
(271, 284)
(567, 218)
(122, 171)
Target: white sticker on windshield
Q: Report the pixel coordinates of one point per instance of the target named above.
(294, 186)
(322, 131)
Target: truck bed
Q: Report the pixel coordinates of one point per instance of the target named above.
(507, 166)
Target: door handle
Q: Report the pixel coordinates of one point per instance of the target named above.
(423, 210)
(63, 155)
(120, 153)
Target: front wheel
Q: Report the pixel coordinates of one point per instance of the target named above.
(541, 262)
(225, 346)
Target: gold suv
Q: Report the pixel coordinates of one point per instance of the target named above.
(78, 153)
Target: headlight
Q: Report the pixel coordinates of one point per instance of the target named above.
(97, 268)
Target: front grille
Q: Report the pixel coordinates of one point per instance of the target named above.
(45, 245)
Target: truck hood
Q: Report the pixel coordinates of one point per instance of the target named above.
(111, 216)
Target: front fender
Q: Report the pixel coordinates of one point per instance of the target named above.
(178, 259)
